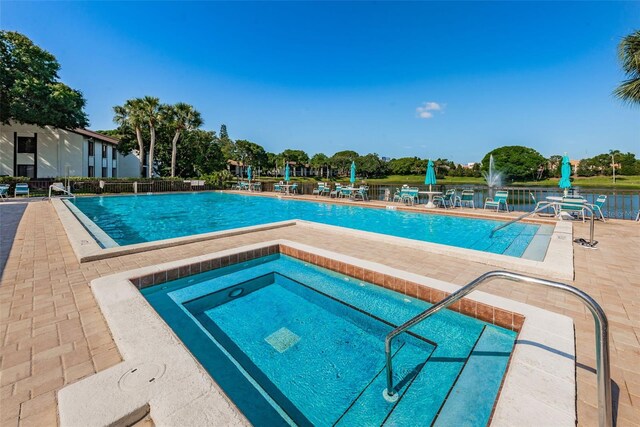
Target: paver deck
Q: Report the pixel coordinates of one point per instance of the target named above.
(52, 332)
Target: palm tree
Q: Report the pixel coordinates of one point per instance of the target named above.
(130, 115)
(629, 52)
(152, 114)
(183, 117)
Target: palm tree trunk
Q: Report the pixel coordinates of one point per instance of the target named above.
(140, 149)
(174, 149)
(152, 144)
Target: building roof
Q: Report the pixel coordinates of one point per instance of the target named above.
(95, 135)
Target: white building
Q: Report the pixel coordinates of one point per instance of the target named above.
(36, 152)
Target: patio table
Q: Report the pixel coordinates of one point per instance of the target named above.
(430, 194)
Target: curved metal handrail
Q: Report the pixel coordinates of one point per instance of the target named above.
(544, 205)
(601, 326)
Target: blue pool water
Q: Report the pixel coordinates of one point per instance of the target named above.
(144, 218)
(292, 343)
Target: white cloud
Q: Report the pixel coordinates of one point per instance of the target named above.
(425, 110)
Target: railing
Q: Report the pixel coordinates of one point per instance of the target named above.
(603, 371)
(60, 190)
(620, 204)
(558, 207)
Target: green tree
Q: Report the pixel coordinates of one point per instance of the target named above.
(30, 91)
(152, 114)
(407, 166)
(516, 162)
(182, 117)
(297, 156)
(130, 118)
(629, 53)
(371, 165)
(555, 166)
(249, 153)
(341, 161)
(223, 132)
(320, 162)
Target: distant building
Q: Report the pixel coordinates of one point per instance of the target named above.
(49, 152)
(574, 166)
(469, 165)
(385, 159)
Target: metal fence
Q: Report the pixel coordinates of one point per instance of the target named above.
(620, 204)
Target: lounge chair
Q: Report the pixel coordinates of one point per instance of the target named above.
(499, 199)
(4, 192)
(449, 198)
(572, 206)
(410, 195)
(336, 191)
(397, 196)
(277, 187)
(21, 189)
(539, 203)
(346, 192)
(326, 190)
(361, 193)
(638, 216)
(293, 189)
(256, 186)
(467, 198)
(597, 207)
(318, 190)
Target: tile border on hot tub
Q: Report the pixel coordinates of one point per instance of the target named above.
(539, 384)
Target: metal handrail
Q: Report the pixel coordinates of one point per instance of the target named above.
(62, 190)
(601, 328)
(545, 205)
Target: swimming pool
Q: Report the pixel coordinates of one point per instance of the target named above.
(135, 219)
(292, 343)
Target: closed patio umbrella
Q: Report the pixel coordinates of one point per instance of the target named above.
(565, 180)
(286, 173)
(353, 173)
(249, 173)
(430, 179)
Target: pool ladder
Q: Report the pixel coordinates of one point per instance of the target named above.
(556, 206)
(603, 370)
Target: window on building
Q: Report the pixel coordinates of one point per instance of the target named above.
(27, 170)
(91, 148)
(114, 153)
(104, 151)
(104, 172)
(26, 144)
(114, 173)
(91, 172)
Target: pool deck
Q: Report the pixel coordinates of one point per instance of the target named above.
(52, 332)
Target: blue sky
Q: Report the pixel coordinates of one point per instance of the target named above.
(429, 79)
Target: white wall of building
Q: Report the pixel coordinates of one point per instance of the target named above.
(60, 152)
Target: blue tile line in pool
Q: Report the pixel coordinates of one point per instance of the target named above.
(331, 329)
(144, 218)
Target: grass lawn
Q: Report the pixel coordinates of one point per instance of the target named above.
(419, 180)
(630, 182)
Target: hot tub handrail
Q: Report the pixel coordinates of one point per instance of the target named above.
(556, 205)
(601, 330)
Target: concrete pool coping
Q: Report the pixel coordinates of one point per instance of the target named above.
(557, 262)
(158, 374)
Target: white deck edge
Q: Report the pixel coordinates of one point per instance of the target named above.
(539, 386)
(557, 262)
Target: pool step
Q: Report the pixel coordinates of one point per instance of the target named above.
(370, 407)
(470, 401)
(424, 399)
